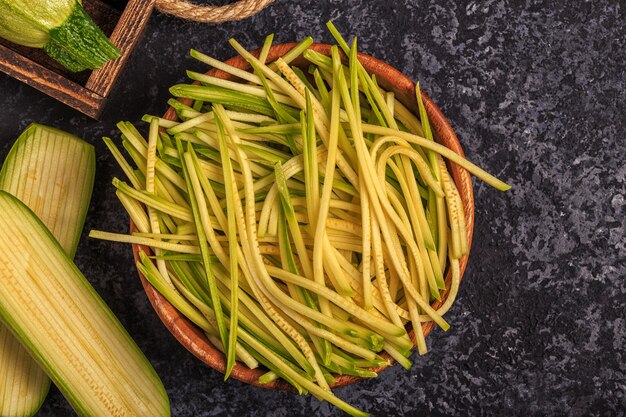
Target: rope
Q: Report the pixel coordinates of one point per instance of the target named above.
(211, 14)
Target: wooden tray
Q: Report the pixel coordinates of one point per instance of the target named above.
(85, 91)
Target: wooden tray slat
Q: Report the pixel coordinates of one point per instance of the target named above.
(49, 82)
(126, 35)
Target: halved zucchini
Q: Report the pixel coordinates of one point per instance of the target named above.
(52, 172)
(68, 329)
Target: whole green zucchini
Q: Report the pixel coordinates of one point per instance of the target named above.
(61, 27)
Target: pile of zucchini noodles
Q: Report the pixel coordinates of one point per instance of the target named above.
(300, 219)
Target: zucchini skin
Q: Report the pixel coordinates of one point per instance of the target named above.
(33, 229)
(78, 44)
(27, 22)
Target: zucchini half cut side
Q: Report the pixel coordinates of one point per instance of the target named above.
(68, 329)
(52, 172)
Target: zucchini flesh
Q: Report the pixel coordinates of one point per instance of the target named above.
(52, 172)
(68, 329)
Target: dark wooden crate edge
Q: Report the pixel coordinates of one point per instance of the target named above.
(91, 98)
(125, 36)
(49, 82)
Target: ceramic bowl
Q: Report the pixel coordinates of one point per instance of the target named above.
(390, 79)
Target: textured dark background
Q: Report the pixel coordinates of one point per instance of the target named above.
(536, 92)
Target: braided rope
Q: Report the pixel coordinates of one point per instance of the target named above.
(211, 14)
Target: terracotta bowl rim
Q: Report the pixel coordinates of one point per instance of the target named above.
(192, 338)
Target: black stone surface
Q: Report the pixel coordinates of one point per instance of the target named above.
(536, 92)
